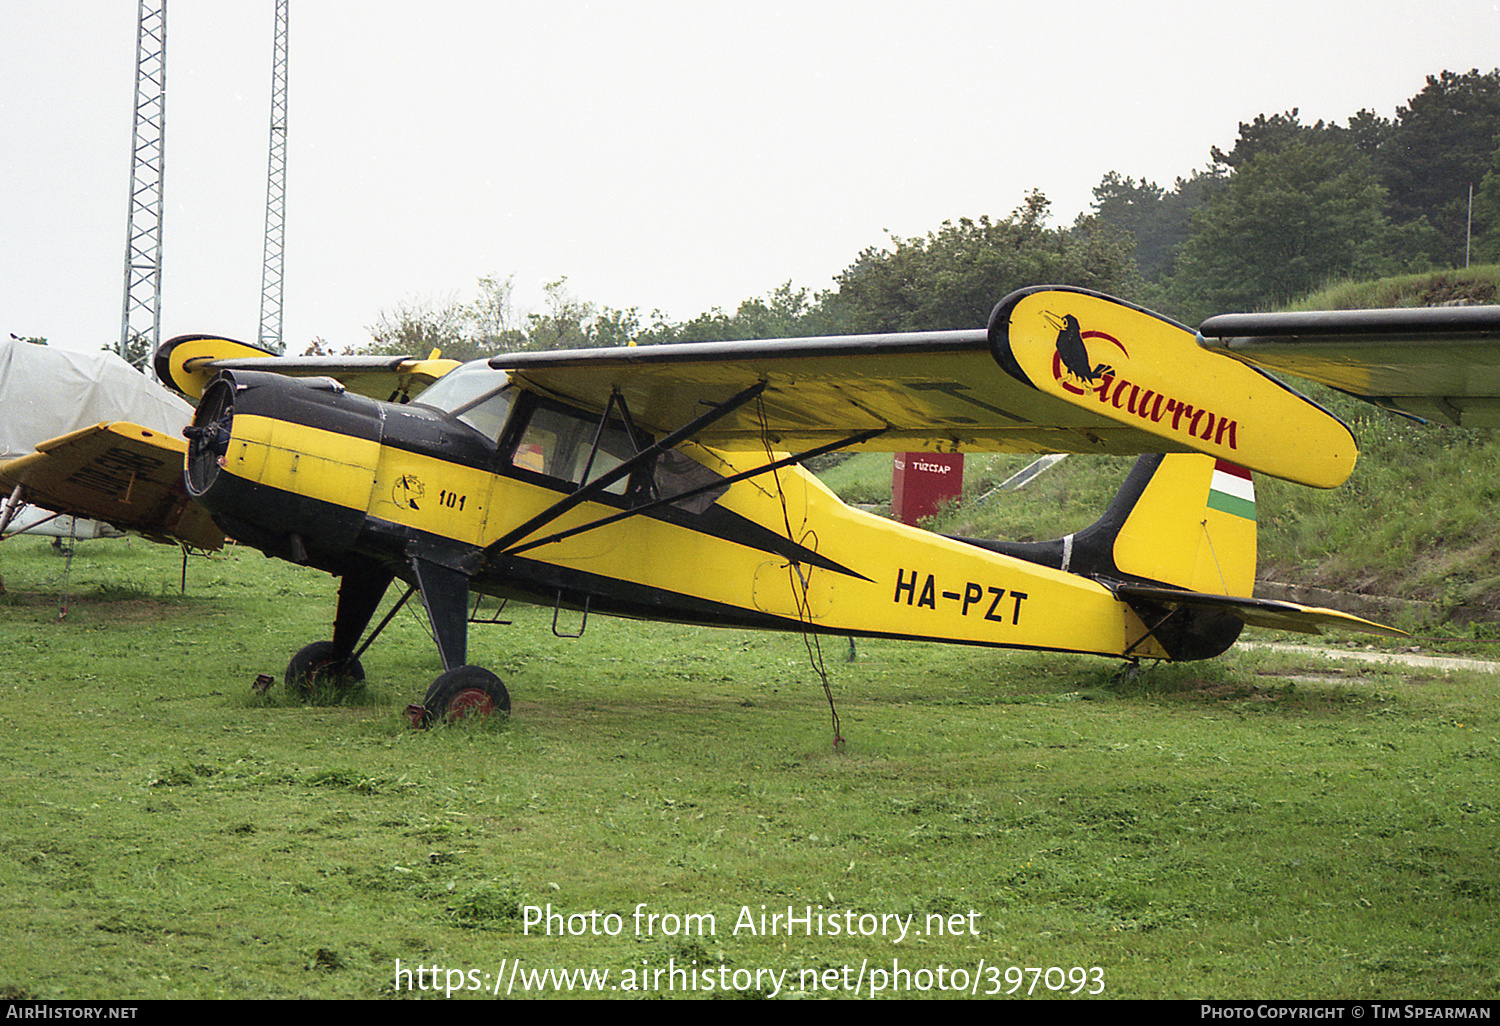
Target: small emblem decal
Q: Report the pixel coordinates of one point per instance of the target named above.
(407, 491)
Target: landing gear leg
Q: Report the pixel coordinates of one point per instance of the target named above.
(333, 662)
(462, 690)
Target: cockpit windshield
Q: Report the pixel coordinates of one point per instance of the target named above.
(461, 386)
(474, 393)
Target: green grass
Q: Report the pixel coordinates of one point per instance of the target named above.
(863, 478)
(1478, 284)
(1259, 826)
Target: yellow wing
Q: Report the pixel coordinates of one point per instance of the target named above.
(123, 474)
(1057, 370)
(1439, 363)
(190, 362)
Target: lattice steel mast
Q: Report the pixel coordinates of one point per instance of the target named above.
(271, 272)
(140, 316)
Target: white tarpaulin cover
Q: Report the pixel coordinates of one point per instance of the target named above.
(46, 392)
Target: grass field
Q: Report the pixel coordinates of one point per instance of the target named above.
(1259, 826)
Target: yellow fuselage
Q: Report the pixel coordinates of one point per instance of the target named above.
(841, 570)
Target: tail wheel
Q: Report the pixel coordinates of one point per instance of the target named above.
(465, 691)
(315, 666)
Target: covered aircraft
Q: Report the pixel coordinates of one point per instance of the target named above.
(49, 395)
(665, 482)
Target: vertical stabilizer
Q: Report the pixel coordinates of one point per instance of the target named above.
(1192, 526)
(1181, 521)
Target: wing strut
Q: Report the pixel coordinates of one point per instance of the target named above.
(863, 436)
(615, 399)
(599, 484)
(12, 506)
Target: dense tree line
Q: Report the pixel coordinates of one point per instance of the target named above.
(1287, 209)
(950, 277)
(1293, 206)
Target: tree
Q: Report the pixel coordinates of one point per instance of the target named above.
(490, 324)
(613, 327)
(493, 324)
(954, 276)
(1487, 214)
(138, 350)
(1286, 222)
(1266, 135)
(1442, 142)
(710, 326)
(784, 312)
(1156, 219)
(567, 323)
(416, 327)
(1370, 133)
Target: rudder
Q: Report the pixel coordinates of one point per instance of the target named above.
(1192, 526)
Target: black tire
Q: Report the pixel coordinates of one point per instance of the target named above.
(466, 691)
(314, 667)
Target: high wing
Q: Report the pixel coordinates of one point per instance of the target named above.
(124, 474)
(190, 362)
(1440, 364)
(1057, 370)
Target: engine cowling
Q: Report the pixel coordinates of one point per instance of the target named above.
(284, 464)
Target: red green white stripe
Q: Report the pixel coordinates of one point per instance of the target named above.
(1231, 491)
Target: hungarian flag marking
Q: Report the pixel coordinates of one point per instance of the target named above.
(1231, 491)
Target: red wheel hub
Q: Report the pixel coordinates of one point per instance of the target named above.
(471, 702)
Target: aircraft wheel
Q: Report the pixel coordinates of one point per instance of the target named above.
(466, 691)
(315, 666)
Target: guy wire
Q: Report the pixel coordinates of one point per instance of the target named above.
(810, 639)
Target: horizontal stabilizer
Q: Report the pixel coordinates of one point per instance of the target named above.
(1268, 613)
(1142, 370)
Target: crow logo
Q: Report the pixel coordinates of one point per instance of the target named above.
(1072, 351)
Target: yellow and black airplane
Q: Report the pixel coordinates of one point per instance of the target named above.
(665, 482)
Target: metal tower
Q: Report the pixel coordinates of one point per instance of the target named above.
(271, 272)
(140, 317)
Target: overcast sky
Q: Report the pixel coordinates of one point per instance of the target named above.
(659, 154)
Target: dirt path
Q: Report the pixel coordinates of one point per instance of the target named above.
(1376, 656)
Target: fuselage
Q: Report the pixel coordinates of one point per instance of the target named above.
(305, 471)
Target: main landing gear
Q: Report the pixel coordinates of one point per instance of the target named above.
(315, 666)
(461, 691)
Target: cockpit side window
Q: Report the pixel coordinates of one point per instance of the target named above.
(489, 414)
(559, 443)
(678, 474)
